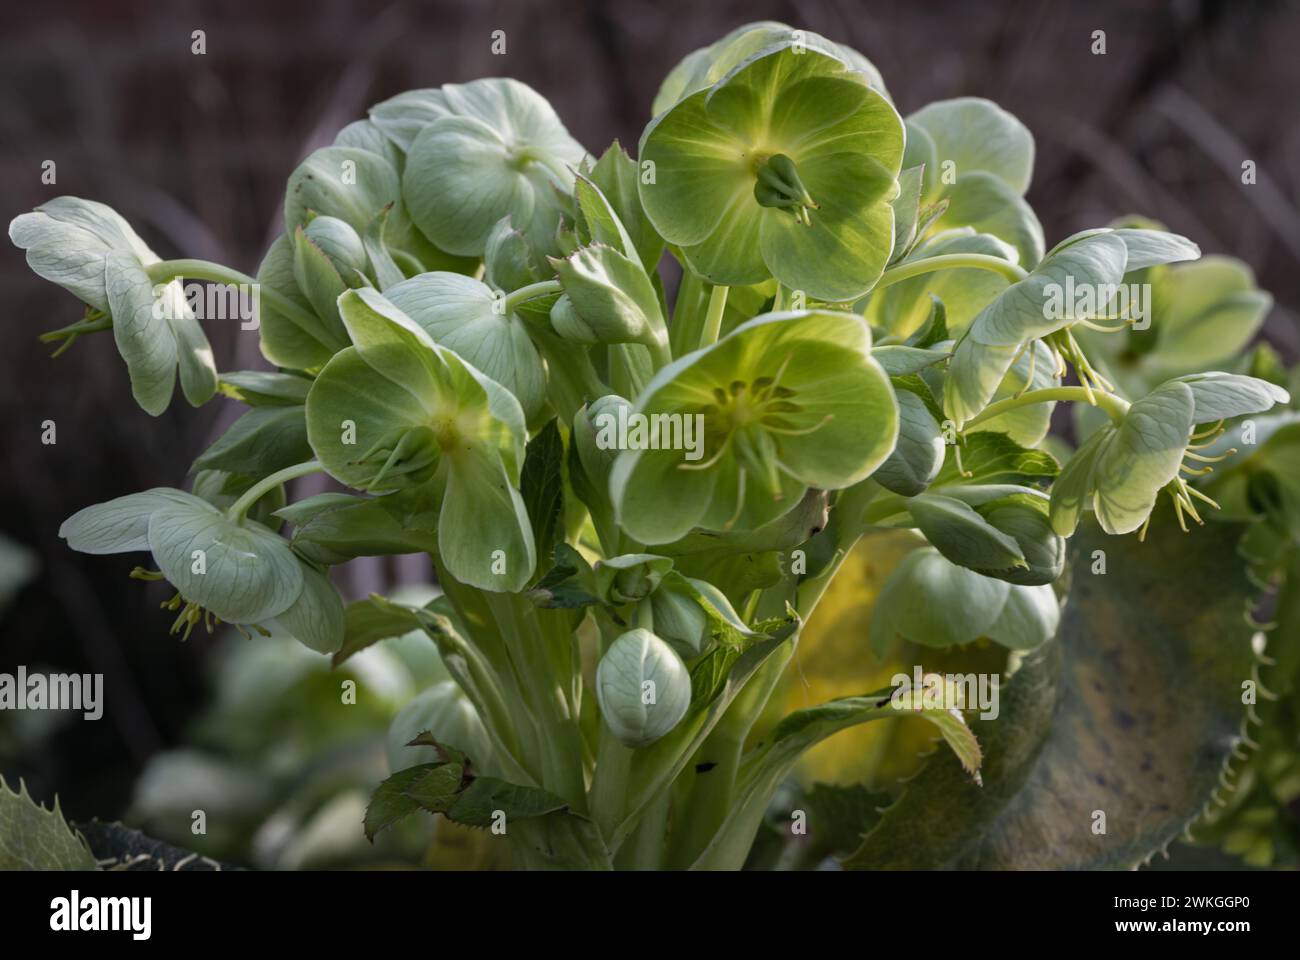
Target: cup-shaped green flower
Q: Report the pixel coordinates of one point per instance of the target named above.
(932, 601)
(784, 168)
(477, 152)
(733, 435)
(1078, 282)
(223, 566)
(89, 250)
(643, 688)
(396, 411)
(704, 67)
(1120, 469)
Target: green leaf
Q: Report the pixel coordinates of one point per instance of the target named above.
(541, 486)
(899, 361)
(616, 175)
(376, 618)
(393, 802)
(1136, 707)
(333, 528)
(33, 838)
(763, 769)
(262, 441)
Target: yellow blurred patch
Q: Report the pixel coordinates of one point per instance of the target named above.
(835, 659)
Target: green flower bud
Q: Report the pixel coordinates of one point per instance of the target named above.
(342, 246)
(643, 688)
(631, 577)
(590, 431)
(680, 621)
(570, 326)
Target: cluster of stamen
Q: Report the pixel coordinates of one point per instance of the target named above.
(191, 614)
(764, 404)
(1183, 493)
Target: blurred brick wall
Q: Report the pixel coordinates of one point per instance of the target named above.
(194, 151)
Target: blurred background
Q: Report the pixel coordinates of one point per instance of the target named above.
(194, 151)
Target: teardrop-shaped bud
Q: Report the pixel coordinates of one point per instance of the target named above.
(643, 688)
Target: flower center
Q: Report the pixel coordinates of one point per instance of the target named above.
(777, 184)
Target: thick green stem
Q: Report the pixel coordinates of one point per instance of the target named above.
(531, 292)
(169, 270)
(950, 261)
(254, 493)
(1116, 407)
(713, 319)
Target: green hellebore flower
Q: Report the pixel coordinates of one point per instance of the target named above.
(398, 411)
(1120, 469)
(1076, 282)
(784, 402)
(934, 602)
(784, 168)
(448, 714)
(89, 250)
(704, 67)
(240, 572)
(643, 688)
(477, 152)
